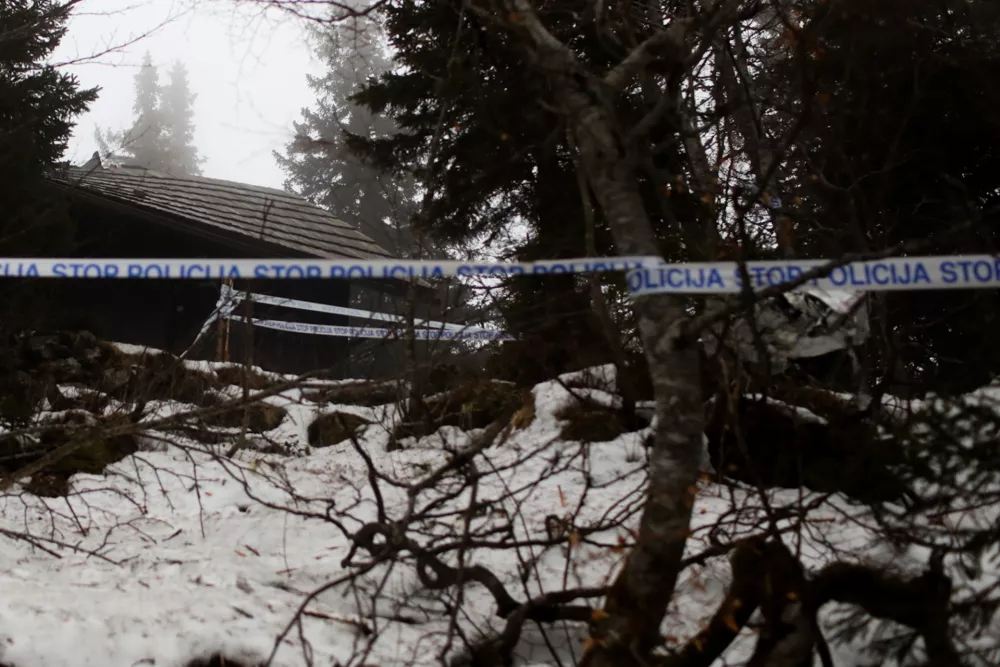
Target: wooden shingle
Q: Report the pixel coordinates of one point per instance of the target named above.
(265, 214)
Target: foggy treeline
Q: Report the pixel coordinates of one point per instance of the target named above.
(162, 134)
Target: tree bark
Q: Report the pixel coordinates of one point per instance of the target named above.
(637, 601)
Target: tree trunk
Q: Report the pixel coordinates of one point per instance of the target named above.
(639, 597)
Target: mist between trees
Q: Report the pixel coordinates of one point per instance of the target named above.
(162, 133)
(786, 477)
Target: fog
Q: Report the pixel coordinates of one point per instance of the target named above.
(247, 65)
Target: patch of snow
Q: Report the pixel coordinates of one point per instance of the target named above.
(136, 350)
(605, 376)
(213, 554)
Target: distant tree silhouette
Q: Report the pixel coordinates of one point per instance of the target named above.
(162, 132)
(320, 165)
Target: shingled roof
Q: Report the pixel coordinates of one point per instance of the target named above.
(265, 214)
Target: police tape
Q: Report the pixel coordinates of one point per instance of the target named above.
(266, 269)
(369, 332)
(230, 299)
(224, 308)
(237, 296)
(896, 274)
(645, 275)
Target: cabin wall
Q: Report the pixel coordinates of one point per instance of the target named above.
(168, 313)
(287, 351)
(376, 357)
(393, 358)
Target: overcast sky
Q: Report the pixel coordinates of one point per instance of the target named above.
(247, 67)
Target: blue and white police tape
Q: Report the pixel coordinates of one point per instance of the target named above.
(229, 294)
(896, 274)
(313, 268)
(371, 332)
(224, 308)
(646, 275)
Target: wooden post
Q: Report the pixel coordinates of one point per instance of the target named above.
(222, 344)
(247, 317)
(220, 334)
(225, 352)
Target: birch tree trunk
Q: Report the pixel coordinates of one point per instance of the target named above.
(639, 598)
(637, 602)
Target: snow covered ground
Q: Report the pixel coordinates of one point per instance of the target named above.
(199, 554)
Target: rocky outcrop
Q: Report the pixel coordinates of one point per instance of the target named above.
(334, 427)
(473, 403)
(33, 365)
(77, 384)
(774, 444)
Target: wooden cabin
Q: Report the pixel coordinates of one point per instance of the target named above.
(132, 213)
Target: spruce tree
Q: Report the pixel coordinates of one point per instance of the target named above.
(903, 146)
(321, 166)
(38, 106)
(162, 131)
(143, 142)
(459, 91)
(177, 113)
